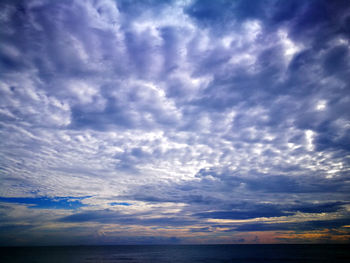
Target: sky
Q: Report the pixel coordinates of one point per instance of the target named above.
(174, 122)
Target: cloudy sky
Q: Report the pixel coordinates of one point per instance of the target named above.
(147, 122)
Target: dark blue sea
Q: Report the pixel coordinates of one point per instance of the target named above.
(178, 253)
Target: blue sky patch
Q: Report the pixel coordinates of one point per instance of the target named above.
(120, 203)
(46, 202)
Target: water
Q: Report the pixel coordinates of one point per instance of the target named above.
(179, 254)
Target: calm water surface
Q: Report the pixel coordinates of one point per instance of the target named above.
(181, 254)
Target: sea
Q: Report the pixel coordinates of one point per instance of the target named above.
(178, 253)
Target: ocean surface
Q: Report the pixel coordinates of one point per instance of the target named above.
(178, 253)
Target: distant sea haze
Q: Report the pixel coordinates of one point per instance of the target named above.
(179, 253)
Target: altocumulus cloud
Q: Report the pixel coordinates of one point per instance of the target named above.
(184, 121)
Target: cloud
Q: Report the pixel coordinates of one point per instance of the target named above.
(305, 226)
(188, 110)
(241, 214)
(248, 211)
(109, 216)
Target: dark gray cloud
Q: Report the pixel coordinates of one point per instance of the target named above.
(304, 226)
(248, 211)
(109, 216)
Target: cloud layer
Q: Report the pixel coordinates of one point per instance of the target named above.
(185, 121)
